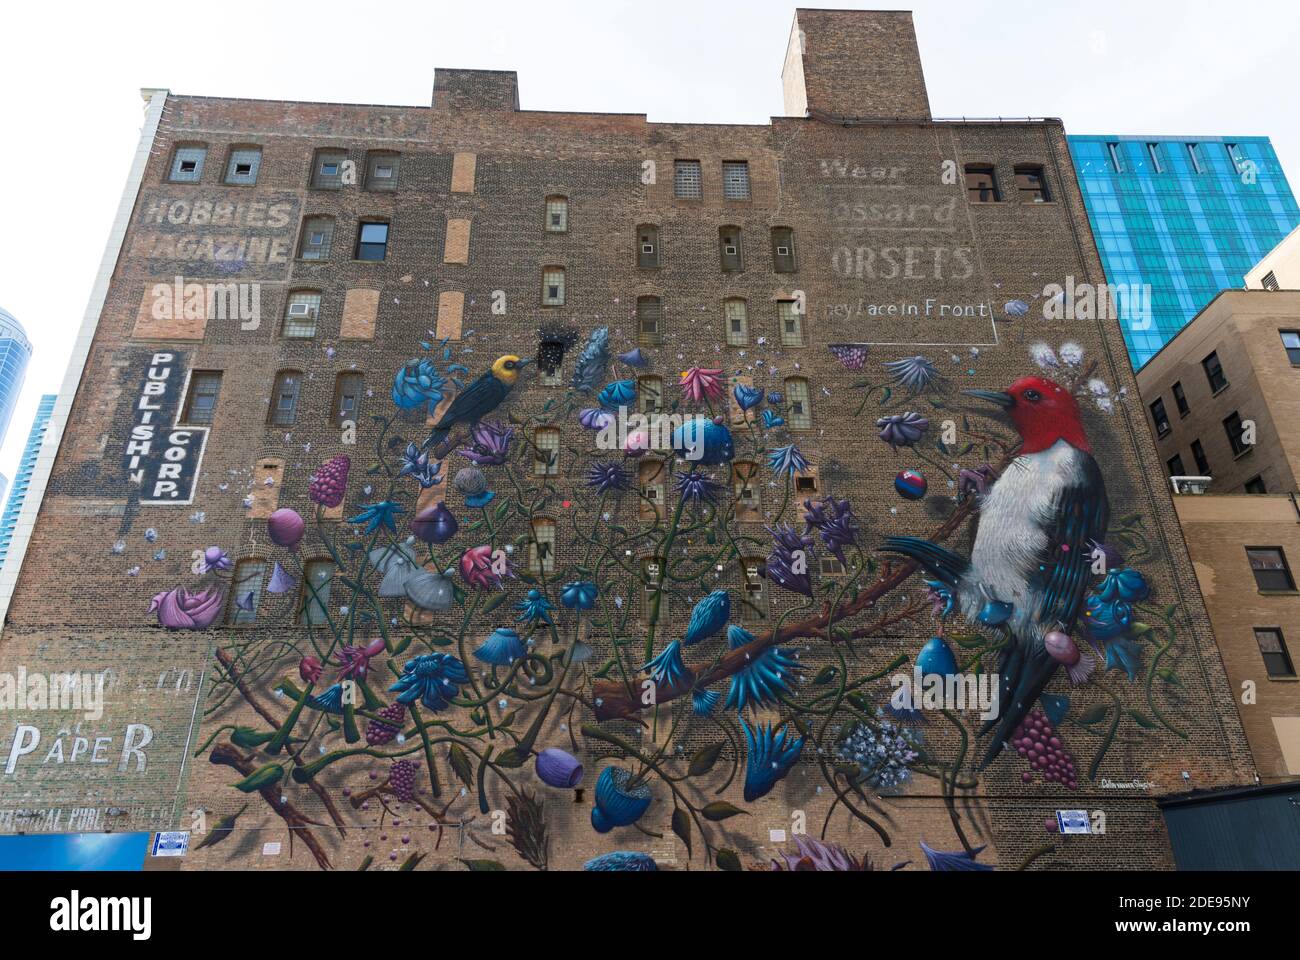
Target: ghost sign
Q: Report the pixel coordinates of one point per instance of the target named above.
(162, 457)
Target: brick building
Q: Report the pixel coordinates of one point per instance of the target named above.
(359, 265)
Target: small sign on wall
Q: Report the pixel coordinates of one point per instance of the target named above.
(1073, 821)
(171, 843)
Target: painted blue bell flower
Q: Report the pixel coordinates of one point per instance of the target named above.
(994, 613)
(619, 801)
(623, 861)
(634, 358)
(480, 499)
(535, 608)
(747, 397)
(936, 658)
(502, 648)
(708, 618)
(418, 384)
(771, 420)
(620, 393)
(1125, 584)
(787, 460)
(579, 595)
(329, 701)
(667, 669)
(704, 442)
(764, 679)
(770, 757)
(558, 768)
(1105, 620)
(703, 702)
(774, 397)
(433, 679)
(376, 515)
(946, 862)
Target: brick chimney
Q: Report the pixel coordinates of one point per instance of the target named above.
(478, 91)
(854, 63)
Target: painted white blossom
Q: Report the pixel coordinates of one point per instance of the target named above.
(1098, 388)
(1071, 354)
(1043, 355)
(1104, 405)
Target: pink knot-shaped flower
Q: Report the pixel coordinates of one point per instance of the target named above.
(179, 609)
(477, 569)
(702, 383)
(356, 660)
(309, 668)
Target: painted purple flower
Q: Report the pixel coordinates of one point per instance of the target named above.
(356, 660)
(834, 522)
(914, 373)
(594, 418)
(789, 563)
(491, 443)
(787, 460)
(178, 609)
(214, 558)
(416, 463)
(608, 477)
(815, 856)
(902, 429)
(696, 486)
(975, 482)
(852, 355)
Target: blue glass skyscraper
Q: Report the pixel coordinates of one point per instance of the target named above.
(18, 492)
(15, 351)
(1187, 215)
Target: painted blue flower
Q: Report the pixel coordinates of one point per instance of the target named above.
(581, 595)
(433, 679)
(1124, 584)
(696, 487)
(1105, 620)
(622, 861)
(418, 384)
(619, 801)
(771, 421)
(774, 397)
(376, 515)
(594, 418)
(704, 701)
(787, 460)
(416, 463)
(962, 861)
(620, 393)
(608, 477)
(708, 618)
(502, 648)
(633, 358)
(667, 669)
(535, 608)
(914, 373)
(1124, 654)
(592, 362)
(769, 758)
(763, 679)
(747, 397)
(329, 701)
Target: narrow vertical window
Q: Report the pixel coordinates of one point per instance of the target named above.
(1180, 398)
(652, 574)
(1194, 154)
(317, 233)
(647, 252)
(301, 314)
(754, 598)
(546, 461)
(1235, 430)
(1175, 466)
(798, 403)
(245, 592)
(201, 400)
(747, 489)
(541, 548)
(1202, 461)
(1116, 161)
(1214, 372)
(650, 392)
(1031, 184)
(317, 577)
(649, 320)
(736, 317)
(1159, 418)
(284, 398)
(1291, 343)
(733, 254)
(347, 397)
(791, 323)
(557, 214)
(372, 241)
(650, 482)
(783, 260)
(1153, 151)
(1272, 647)
(553, 287)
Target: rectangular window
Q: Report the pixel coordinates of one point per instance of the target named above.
(1194, 154)
(372, 241)
(317, 575)
(783, 260)
(381, 171)
(317, 233)
(1214, 372)
(1291, 342)
(201, 403)
(754, 605)
(243, 166)
(347, 397)
(1202, 461)
(1031, 184)
(1180, 398)
(1153, 151)
(652, 574)
(1233, 427)
(748, 491)
(1116, 161)
(735, 179)
(1272, 646)
(649, 320)
(1161, 420)
(546, 460)
(557, 215)
(284, 401)
(1269, 566)
(300, 315)
(245, 592)
(1256, 487)
(647, 253)
(1269, 282)
(791, 323)
(541, 548)
(553, 287)
(327, 173)
(736, 316)
(650, 481)
(650, 392)
(798, 403)
(1175, 466)
(981, 183)
(688, 182)
(187, 164)
(733, 254)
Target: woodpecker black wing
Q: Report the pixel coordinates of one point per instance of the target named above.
(1080, 517)
(478, 399)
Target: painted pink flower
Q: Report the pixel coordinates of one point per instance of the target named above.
(309, 668)
(476, 567)
(179, 609)
(356, 660)
(702, 383)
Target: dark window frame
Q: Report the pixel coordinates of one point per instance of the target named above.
(1285, 581)
(191, 393)
(274, 417)
(1292, 353)
(1026, 188)
(647, 234)
(1232, 426)
(1277, 663)
(784, 262)
(364, 246)
(1160, 418)
(1214, 372)
(977, 190)
(1180, 399)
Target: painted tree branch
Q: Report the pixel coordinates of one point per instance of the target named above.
(614, 701)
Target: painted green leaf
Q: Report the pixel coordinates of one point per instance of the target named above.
(682, 827)
(267, 776)
(720, 810)
(483, 866)
(1095, 715)
(703, 761)
(510, 759)
(727, 860)
(460, 764)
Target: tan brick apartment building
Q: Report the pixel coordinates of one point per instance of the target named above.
(853, 261)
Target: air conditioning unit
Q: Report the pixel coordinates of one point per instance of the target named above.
(730, 250)
(1188, 486)
(301, 310)
(783, 251)
(648, 249)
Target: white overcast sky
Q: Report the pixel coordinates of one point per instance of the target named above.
(70, 111)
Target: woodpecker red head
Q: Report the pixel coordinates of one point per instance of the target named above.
(1042, 411)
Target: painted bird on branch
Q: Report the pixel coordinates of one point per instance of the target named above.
(1038, 526)
(478, 399)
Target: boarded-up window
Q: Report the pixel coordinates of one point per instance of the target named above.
(462, 172)
(688, 182)
(451, 309)
(243, 165)
(735, 179)
(317, 576)
(557, 214)
(201, 399)
(651, 476)
(187, 163)
(348, 388)
(455, 246)
(650, 394)
(753, 604)
(787, 314)
(649, 320)
(553, 287)
(360, 314)
(783, 260)
(264, 495)
(327, 169)
(301, 313)
(284, 398)
(798, 404)
(541, 548)
(647, 246)
(245, 592)
(735, 314)
(381, 171)
(546, 460)
(729, 244)
(746, 486)
(317, 235)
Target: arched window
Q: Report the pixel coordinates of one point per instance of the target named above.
(317, 235)
(284, 398)
(649, 321)
(546, 460)
(652, 577)
(557, 214)
(729, 245)
(647, 246)
(787, 315)
(301, 313)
